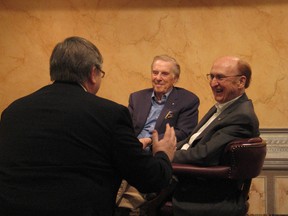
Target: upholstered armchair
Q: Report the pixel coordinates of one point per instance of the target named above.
(241, 161)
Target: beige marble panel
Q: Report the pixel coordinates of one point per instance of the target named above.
(130, 32)
(258, 196)
(281, 195)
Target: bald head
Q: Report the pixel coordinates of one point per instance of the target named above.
(235, 65)
(229, 76)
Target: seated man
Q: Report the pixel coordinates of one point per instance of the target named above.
(231, 118)
(153, 108)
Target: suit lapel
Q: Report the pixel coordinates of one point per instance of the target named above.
(205, 118)
(145, 107)
(224, 114)
(199, 125)
(230, 109)
(168, 107)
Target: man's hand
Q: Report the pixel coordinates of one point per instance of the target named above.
(167, 144)
(145, 142)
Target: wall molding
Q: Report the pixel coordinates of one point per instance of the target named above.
(277, 148)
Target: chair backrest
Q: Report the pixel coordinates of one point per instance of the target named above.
(241, 159)
(245, 158)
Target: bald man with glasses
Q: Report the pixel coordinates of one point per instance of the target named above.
(231, 118)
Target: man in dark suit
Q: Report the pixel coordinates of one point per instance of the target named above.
(64, 151)
(153, 108)
(232, 118)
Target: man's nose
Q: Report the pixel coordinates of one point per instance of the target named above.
(159, 76)
(214, 82)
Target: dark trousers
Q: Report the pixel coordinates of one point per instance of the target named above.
(119, 211)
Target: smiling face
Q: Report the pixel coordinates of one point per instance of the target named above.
(163, 77)
(227, 82)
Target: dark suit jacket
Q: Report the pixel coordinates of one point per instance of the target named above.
(182, 105)
(64, 151)
(236, 122)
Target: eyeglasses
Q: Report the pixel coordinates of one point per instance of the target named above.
(101, 71)
(219, 77)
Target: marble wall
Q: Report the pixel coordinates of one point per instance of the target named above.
(129, 33)
(269, 193)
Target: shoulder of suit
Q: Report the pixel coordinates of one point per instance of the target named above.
(143, 91)
(185, 92)
(243, 104)
(106, 103)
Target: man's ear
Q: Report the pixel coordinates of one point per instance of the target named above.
(93, 75)
(175, 80)
(242, 81)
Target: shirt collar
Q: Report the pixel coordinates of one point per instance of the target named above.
(164, 97)
(83, 87)
(223, 106)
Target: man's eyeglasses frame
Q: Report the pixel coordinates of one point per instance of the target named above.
(219, 77)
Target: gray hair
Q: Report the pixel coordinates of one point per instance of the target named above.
(73, 59)
(166, 58)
